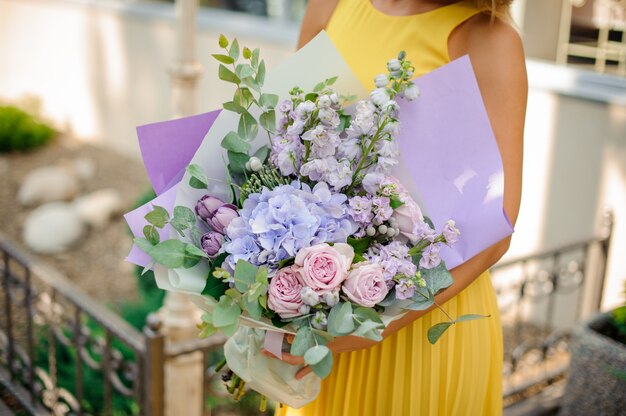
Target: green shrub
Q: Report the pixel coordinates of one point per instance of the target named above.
(19, 131)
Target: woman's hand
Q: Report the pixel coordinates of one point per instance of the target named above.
(336, 346)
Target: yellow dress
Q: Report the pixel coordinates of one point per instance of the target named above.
(406, 375)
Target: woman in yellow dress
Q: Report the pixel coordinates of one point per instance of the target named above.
(404, 374)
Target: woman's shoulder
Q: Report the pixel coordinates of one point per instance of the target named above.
(316, 18)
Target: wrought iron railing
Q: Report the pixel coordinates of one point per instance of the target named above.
(541, 296)
(49, 327)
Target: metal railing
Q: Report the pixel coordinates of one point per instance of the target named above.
(45, 318)
(541, 297)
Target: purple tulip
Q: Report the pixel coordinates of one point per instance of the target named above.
(222, 217)
(211, 243)
(207, 205)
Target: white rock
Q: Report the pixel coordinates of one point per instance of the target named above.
(85, 168)
(48, 184)
(52, 228)
(97, 208)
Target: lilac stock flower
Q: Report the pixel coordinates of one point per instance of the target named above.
(382, 210)
(285, 106)
(451, 233)
(430, 257)
(211, 243)
(275, 224)
(303, 110)
(405, 289)
(350, 149)
(329, 117)
(337, 174)
(323, 141)
(361, 210)
(380, 96)
(395, 259)
(423, 231)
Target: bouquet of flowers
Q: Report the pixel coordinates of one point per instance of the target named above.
(309, 234)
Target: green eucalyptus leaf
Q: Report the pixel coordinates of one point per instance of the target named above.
(223, 42)
(227, 75)
(470, 317)
(437, 278)
(195, 251)
(268, 101)
(302, 341)
(197, 184)
(234, 143)
(260, 74)
(436, 331)
(245, 274)
(197, 173)
(248, 127)
(252, 83)
(316, 354)
(237, 162)
(243, 98)
(262, 153)
(232, 106)
(171, 253)
(344, 122)
(226, 312)
(370, 330)
(225, 59)
(244, 71)
(233, 52)
(268, 120)
(330, 81)
(151, 234)
(185, 214)
(340, 319)
(247, 53)
(158, 216)
(324, 367)
(253, 308)
(318, 87)
(254, 61)
(367, 314)
(262, 275)
(230, 330)
(143, 244)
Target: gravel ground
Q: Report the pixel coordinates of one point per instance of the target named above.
(96, 263)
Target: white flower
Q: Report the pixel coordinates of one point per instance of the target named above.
(411, 92)
(324, 101)
(304, 309)
(335, 100)
(393, 128)
(319, 321)
(350, 149)
(329, 117)
(296, 128)
(394, 65)
(379, 96)
(365, 108)
(381, 80)
(255, 164)
(340, 175)
(304, 110)
(388, 148)
(391, 107)
(331, 298)
(309, 296)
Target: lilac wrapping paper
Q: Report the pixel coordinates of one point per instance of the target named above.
(449, 152)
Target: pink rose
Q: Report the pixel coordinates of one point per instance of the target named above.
(325, 267)
(408, 216)
(284, 292)
(365, 285)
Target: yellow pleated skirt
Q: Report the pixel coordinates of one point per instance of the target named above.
(406, 375)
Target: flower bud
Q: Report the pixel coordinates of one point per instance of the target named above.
(304, 309)
(331, 298)
(309, 296)
(379, 96)
(255, 164)
(370, 231)
(219, 219)
(394, 65)
(207, 205)
(324, 101)
(382, 229)
(381, 80)
(211, 243)
(411, 92)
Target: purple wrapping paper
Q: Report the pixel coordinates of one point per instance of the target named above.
(167, 147)
(450, 161)
(449, 150)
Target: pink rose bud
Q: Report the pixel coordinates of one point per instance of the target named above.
(325, 267)
(407, 216)
(366, 285)
(283, 296)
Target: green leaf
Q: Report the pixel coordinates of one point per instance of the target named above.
(233, 52)
(436, 331)
(340, 319)
(227, 75)
(324, 367)
(215, 287)
(262, 153)
(321, 337)
(248, 127)
(311, 97)
(331, 81)
(302, 341)
(234, 143)
(225, 59)
(254, 61)
(268, 101)
(231, 106)
(172, 254)
(206, 327)
(195, 251)
(243, 98)
(247, 53)
(143, 244)
(244, 71)
(470, 317)
(268, 120)
(318, 87)
(197, 184)
(151, 234)
(360, 245)
(437, 278)
(237, 162)
(429, 222)
(184, 215)
(223, 42)
(253, 308)
(261, 275)
(367, 314)
(358, 258)
(230, 330)
(226, 312)
(245, 274)
(252, 83)
(370, 330)
(286, 262)
(198, 174)
(395, 202)
(344, 122)
(260, 74)
(315, 354)
(158, 216)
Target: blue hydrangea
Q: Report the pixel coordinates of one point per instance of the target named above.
(275, 224)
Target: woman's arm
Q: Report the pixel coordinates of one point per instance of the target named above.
(316, 17)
